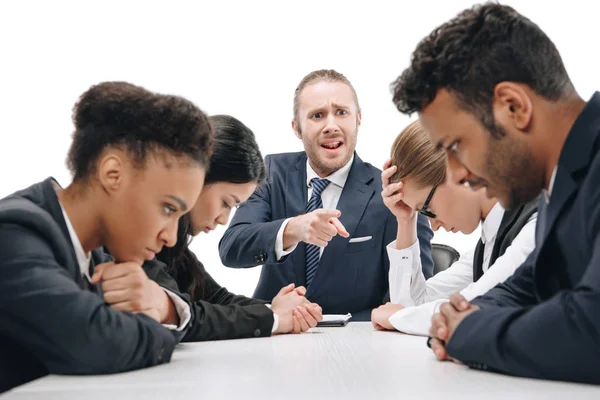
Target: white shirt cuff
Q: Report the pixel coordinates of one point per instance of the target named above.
(183, 310)
(416, 320)
(402, 268)
(403, 257)
(279, 250)
(275, 320)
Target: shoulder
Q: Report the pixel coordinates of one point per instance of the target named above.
(26, 229)
(285, 159)
(366, 172)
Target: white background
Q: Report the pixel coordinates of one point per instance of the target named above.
(242, 58)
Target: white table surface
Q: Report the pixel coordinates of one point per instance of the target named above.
(353, 362)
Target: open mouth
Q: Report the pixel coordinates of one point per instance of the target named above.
(332, 145)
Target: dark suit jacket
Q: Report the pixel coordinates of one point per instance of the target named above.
(51, 320)
(510, 227)
(352, 277)
(216, 313)
(544, 321)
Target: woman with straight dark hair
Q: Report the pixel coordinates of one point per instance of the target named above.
(236, 169)
(138, 161)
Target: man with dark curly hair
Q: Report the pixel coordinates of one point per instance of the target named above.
(138, 161)
(491, 89)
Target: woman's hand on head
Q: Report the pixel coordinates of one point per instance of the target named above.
(392, 194)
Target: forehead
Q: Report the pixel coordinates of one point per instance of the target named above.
(171, 176)
(414, 196)
(444, 120)
(325, 92)
(237, 189)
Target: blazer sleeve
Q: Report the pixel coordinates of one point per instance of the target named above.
(425, 234)
(216, 312)
(249, 241)
(555, 339)
(70, 330)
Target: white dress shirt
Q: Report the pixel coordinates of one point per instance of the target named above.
(422, 298)
(83, 259)
(330, 197)
(548, 193)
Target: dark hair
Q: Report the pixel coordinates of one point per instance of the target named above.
(126, 116)
(236, 158)
(470, 54)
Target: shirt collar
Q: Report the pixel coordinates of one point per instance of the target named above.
(548, 193)
(83, 259)
(338, 178)
(491, 224)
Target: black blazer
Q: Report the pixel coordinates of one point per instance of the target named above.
(216, 312)
(510, 227)
(51, 320)
(544, 321)
(352, 277)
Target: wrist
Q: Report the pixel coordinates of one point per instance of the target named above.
(406, 234)
(168, 314)
(407, 222)
(290, 237)
(282, 322)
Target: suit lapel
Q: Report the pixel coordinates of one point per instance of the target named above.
(295, 198)
(54, 208)
(352, 204)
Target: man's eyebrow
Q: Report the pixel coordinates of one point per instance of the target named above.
(336, 105)
(179, 201)
(237, 200)
(314, 109)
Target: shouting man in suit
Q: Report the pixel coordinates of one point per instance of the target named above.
(319, 220)
(491, 88)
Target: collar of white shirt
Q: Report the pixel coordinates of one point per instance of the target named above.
(83, 259)
(548, 193)
(490, 225)
(338, 178)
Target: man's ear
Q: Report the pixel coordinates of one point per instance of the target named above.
(513, 105)
(296, 128)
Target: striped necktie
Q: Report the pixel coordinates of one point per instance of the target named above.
(312, 251)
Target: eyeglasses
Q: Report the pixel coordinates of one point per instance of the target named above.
(425, 209)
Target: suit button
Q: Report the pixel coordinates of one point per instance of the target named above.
(257, 333)
(257, 259)
(160, 354)
(485, 367)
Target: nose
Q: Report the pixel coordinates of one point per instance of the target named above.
(169, 234)
(456, 171)
(223, 218)
(331, 125)
(435, 224)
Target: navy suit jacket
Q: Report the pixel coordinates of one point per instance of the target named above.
(352, 277)
(544, 321)
(51, 319)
